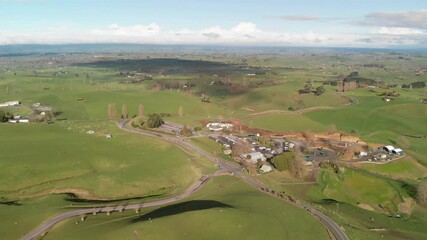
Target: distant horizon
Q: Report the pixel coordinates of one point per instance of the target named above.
(125, 47)
(327, 23)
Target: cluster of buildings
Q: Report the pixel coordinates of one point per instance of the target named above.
(385, 153)
(257, 152)
(392, 150)
(14, 119)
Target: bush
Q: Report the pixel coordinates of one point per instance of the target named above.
(284, 161)
(154, 121)
(137, 122)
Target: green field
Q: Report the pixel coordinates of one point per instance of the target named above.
(402, 169)
(224, 209)
(61, 157)
(358, 188)
(42, 162)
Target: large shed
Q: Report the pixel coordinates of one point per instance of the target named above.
(388, 148)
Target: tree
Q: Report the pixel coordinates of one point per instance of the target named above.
(319, 91)
(138, 122)
(141, 110)
(283, 161)
(181, 111)
(49, 116)
(111, 111)
(205, 98)
(422, 193)
(125, 113)
(154, 121)
(307, 88)
(297, 167)
(3, 116)
(185, 131)
(240, 148)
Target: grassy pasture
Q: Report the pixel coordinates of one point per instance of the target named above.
(402, 169)
(282, 96)
(355, 187)
(18, 219)
(43, 158)
(224, 209)
(358, 223)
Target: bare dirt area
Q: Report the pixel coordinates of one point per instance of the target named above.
(275, 112)
(337, 136)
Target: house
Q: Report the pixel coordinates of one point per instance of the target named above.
(10, 104)
(254, 157)
(388, 148)
(363, 154)
(398, 152)
(218, 126)
(227, 152)
(265, 168)
(226, 141)
(19, 120)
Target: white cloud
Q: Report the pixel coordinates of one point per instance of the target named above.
(405, 19)
(398, 31)
(244, 33)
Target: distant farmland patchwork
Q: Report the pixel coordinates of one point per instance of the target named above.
(46, 165)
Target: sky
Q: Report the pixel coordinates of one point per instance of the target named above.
(331, 23)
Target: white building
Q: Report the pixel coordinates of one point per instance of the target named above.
(218, 126)
(388, 148)
(398, 151)
(254, 157)
(363, 154)
(21, 120)
(10, 104)
(266, 168)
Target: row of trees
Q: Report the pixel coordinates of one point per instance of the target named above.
(309, 88)
(112, 111)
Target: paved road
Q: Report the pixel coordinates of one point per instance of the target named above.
(333, 227)
(224, 166)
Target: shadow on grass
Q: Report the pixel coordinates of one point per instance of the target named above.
(71, 197)
(179, 208)
(11, 203)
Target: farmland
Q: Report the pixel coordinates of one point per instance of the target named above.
(48, 164)
(226, 204)
(90, 166)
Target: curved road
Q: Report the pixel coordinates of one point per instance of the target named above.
(86, 211)
(224, 166)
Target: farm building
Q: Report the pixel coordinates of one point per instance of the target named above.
(388, 148)
(398, 151)
(218, 126)
(10, 104)
(226, 141)
(20, 120)
(254, 157)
